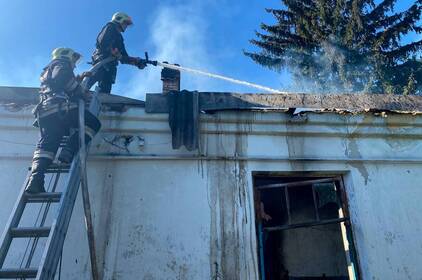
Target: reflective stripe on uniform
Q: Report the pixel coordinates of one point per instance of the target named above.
(60, 95)
(44, 154)
(56, 108)
(90, 132)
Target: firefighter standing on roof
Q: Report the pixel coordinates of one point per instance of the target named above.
(110, 43)
(57, 113)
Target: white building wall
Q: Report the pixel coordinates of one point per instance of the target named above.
(172, 214)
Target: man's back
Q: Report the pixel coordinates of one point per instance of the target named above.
(108, 40)
(57, 77)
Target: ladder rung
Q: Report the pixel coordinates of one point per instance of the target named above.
(56, 168)
(43, 197)
(22, 232)
(51, 170)
(18, 273)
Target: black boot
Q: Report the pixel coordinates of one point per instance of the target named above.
(36, 180)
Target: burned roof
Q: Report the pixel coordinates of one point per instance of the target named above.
(354, 103)
(218, 101)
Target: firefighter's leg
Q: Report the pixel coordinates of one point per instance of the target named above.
(41, 160)
(92, 126)
(95, 78)
(107, 79)
(105, 86)
(51, 134)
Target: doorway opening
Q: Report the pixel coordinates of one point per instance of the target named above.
(303, 228)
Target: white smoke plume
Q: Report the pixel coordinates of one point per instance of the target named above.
(23, 74)
(178, 36)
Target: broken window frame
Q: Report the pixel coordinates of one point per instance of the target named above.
(312, 183)
(343, 220)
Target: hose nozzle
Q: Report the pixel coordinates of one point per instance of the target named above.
(147, 61)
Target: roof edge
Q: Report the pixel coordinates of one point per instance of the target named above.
(30, 95)
(356, 103)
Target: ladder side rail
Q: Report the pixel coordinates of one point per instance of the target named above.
(50, 258)
(13, 222)
(85, 193)
(21, 273)
(59, 227)
(42, 223)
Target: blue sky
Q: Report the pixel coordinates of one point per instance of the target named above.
(204, 34)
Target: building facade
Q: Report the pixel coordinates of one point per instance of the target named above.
(268, 193)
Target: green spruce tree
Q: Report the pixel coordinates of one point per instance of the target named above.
(344, 45)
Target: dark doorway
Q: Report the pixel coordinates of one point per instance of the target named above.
(303, 228)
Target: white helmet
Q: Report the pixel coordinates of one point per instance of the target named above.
(66, 53)
(122, 18)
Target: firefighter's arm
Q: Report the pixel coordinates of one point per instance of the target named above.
(70, 83)
(80, 92)
(135, 61)
(125, 58)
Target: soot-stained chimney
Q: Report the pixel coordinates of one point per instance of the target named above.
(171, 79)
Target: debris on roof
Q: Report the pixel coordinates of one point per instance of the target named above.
(354, 103)
(218, 101)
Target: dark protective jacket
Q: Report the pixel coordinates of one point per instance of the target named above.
(108, 40)
(58, 79)
(59, 87)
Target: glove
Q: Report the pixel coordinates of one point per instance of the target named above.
(141, 64)
(138, 62)
(79, 92)
(86, 74)
(83, 75)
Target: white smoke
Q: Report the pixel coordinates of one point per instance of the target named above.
(178, 35)
(22, 74)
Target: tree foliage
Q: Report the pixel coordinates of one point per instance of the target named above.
(344, 45)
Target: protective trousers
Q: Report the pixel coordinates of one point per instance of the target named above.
(105, 76)
(52, 129)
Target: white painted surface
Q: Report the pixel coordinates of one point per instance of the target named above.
(172, 214)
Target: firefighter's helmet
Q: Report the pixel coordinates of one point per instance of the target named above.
(122, 18)
(66, 53)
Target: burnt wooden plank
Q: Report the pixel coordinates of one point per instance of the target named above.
(213, 101)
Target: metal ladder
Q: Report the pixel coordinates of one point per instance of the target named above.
(56, 232)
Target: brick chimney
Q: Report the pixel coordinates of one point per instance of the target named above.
(171, 79)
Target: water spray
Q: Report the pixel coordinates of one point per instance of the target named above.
(215, 76)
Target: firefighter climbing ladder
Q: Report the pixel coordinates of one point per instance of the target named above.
(55, 233)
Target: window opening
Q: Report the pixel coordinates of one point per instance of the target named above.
(303, 228)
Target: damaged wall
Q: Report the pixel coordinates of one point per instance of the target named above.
(172, 214)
